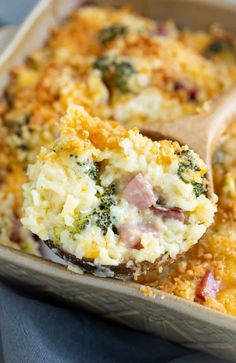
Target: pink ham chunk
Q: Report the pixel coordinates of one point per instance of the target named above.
(139, 193)
(131, 233)
(169, 213)
(15, 233)
(208, 286)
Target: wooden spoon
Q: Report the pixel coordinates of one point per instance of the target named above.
(201, 132)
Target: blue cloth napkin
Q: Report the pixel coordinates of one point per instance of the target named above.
(13, 14)
(37, 331)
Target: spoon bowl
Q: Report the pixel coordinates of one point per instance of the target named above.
(201, 133)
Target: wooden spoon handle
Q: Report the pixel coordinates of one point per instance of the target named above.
(201, 132)
(221, 113)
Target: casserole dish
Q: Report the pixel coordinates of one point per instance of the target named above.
(165, 315)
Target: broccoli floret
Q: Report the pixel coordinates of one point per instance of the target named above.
(18, 123)
(103, 219)
(81, 221)
(20, 120)
(91, 169)
(219, 46)
(187, 158)
(102, 214)
(103, 64)
(185, 167)
(115, 74)
(108, 198)
(186, 164)
(112, 32)
(123, 71)
(94, 171)
(24, 146)
(198, 189)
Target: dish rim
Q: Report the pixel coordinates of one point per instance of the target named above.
(51, 269)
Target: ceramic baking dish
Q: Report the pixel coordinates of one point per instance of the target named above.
(171, 317)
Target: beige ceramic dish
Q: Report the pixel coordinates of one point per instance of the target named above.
(168, 316)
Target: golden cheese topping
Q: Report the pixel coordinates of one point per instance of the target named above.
(109, 194)
(117, 65)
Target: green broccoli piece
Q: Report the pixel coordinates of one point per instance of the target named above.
(108, 198)
(112, 32)
(24, 146)
(80, 223)
(123, 71)
(115, 74)
(219, 46)
(187, 163)
(102, 214)
(103, 64)
(187, 158)
(103, 219)
(94, 171)
(91, 169)
(198, 189)
(18, 123)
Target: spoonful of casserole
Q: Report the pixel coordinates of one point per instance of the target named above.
(114, 202)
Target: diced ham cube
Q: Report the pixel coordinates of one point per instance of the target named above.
(139, 193)
(131, 233)
(208, 286)
(169, 213)
(162, 30)
(149, 228)
(15, 233)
